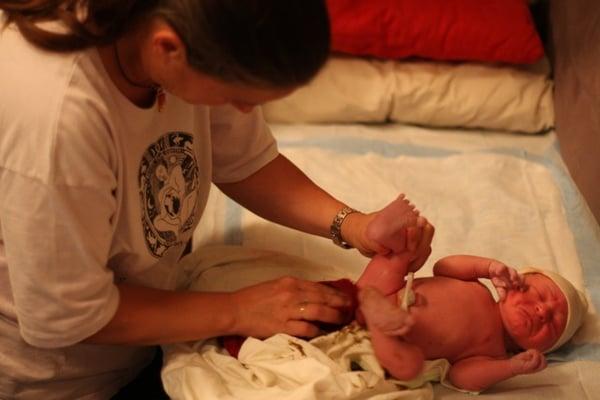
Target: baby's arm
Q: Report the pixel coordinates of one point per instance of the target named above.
(464, 267)
(479, 373)
(470, 268)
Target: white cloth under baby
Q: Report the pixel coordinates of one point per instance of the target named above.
(340, 365)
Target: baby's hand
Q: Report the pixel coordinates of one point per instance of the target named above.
(527, 362)
(380, 313)
(504, 278)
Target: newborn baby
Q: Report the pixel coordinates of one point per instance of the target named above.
(453, 316)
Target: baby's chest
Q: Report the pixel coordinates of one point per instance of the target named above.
(456, 325)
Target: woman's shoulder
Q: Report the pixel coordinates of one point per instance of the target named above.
(31, 76)
(50, 101)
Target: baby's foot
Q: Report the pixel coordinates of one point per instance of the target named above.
(389, 227)
(383, 314)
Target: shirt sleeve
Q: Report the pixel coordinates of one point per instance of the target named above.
(242, 143)
(56, 211)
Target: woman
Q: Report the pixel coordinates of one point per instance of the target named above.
(115, 118)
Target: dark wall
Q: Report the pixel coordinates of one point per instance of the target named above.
(576, 57)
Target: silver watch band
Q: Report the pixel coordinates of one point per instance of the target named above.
(335, 229)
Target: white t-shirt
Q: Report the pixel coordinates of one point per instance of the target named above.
(93, 191)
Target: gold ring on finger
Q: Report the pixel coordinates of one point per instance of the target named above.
(303, 307)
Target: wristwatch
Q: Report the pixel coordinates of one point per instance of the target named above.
(335, 229)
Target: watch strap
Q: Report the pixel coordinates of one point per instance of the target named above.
(335, 229)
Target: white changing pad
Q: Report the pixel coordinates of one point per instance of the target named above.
(503, 196)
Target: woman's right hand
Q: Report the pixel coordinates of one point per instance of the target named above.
(286, 305)
(396, 229)
(384, 231)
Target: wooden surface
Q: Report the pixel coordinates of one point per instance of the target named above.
(576, 55)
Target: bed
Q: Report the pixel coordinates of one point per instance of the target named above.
(474, 146)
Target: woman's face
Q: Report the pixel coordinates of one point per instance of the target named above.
(535, 317)
(164, 60)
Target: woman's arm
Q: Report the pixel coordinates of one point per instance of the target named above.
(281, 193)
(151, 316)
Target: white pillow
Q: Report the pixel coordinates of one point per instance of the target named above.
(423, 93)
(346, 90)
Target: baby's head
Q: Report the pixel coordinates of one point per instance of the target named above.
(546, 314)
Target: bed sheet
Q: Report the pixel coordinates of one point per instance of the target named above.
(504, 196)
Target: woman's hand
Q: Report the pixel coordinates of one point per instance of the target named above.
(287, 305)
(387, 230)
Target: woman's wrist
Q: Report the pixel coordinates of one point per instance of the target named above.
(351, 228)
(230, 321)
(335, 229)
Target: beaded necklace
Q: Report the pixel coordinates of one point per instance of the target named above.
(157, 90)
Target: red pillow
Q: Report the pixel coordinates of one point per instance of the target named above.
(451, 30)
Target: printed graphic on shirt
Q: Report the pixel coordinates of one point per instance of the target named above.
(168, 179)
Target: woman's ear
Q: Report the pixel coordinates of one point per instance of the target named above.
(168, 50)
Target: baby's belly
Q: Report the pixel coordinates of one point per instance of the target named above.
(454, 319)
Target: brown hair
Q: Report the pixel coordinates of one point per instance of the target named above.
(268, 42)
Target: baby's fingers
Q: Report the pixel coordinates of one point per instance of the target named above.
(527, 362)
(501, 287)
(501, 293)
(537, 362)
(516, 279)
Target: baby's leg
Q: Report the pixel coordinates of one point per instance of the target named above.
(385, 273)
(387, 323)
(403, 361)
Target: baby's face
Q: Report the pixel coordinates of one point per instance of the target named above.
(535, 317)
